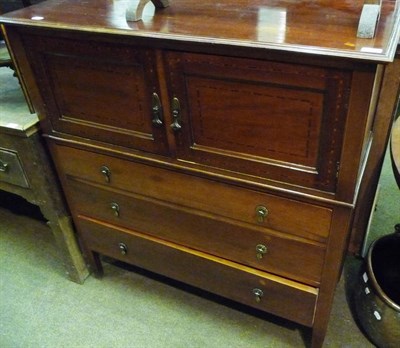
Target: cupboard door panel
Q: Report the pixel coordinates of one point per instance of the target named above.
(272, 120)
(99, 91)
(236, 117)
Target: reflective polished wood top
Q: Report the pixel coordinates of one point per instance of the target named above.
(325, 27)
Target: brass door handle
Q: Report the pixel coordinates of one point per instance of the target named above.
(176, 115)
(156, 107)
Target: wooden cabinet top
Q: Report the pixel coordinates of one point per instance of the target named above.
(323, 27)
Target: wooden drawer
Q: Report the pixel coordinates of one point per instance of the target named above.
(285, 215)
(281, 297)
(11, 170)
(201, 231)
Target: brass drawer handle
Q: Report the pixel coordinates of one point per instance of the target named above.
(156, 108)
(261, 250)
(261, 212)
(258, 293)
(106, 172)
(176, 115)
(115, 208)
(3, 166)
(123, 248)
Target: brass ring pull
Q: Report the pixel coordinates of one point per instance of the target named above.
(261, 250)
(258, 293)
(261, 212)
(106, 173)
(123, 248)
(115, 208)
(3, 166)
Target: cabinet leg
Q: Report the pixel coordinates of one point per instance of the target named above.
(68, 247)
(318, 336)
(94, 262)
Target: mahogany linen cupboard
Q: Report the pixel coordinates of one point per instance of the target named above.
(222, 144)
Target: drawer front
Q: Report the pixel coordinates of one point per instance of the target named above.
(281, 297)
(11, 170)
(293, 258)
(259, 209)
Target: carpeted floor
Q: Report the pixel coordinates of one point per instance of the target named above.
(39, 307)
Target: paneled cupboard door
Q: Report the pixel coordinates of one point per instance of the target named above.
(272, 120)
(101, 91)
